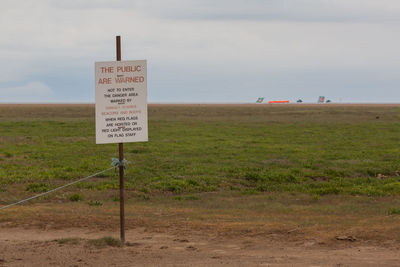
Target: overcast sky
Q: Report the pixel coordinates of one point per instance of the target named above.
(204, 50)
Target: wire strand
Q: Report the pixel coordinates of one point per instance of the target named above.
(55, 189)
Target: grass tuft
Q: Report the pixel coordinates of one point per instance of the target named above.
(104, 242)
(7, 154)
(95, 203)
(38, 187)
(394, 211)
(75, 197)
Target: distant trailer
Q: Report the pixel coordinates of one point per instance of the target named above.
(278, 101)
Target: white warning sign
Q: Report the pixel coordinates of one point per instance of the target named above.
(121, 101)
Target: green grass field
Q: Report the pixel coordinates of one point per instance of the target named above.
(313, 149)
(324, 170)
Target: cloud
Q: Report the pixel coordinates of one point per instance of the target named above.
(34, 91)
(270, 10)
(223, 46)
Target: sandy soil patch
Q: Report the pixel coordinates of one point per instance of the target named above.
(37, 247)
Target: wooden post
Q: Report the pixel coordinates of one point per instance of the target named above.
(121, 168)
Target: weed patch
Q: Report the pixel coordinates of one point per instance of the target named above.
(7, 154)
(394, 211)
(38, 187)
(75, 197)
(95, 203)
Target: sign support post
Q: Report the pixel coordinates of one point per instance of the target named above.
(121, 168)
(121, 110)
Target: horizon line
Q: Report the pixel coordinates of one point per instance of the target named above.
(201, 103)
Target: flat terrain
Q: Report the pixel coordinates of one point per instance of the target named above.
(254, 185)
(56, 248)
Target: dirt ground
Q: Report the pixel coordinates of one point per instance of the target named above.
(154, 247)
(166, 233)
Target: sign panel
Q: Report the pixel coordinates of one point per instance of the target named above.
(121, 101)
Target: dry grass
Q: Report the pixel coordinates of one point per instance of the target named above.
(291, 217)
(69, 240)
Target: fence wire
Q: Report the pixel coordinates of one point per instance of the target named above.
(55, 189)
